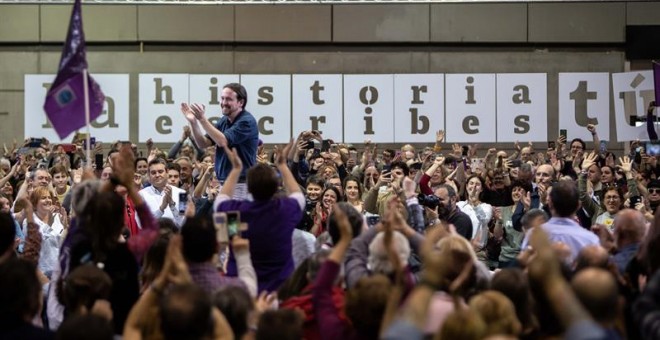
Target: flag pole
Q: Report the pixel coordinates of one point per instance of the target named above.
(86, 95)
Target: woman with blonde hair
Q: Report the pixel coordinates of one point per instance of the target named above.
(459, 253)
(498, 313)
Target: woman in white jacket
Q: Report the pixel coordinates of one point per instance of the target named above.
(480, 213)
(52, 225)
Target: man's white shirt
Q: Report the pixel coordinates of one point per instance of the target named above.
(153, 198)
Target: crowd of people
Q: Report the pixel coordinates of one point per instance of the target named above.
(223, 237)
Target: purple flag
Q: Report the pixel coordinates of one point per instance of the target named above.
(65, 101)
(656, 82)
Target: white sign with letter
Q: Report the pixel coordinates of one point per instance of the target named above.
(420, 107)
(584, 98)
(633, 91)
(368, 108)
(522, 107)
(470, 108)
(269, 100)
(160, 98)
(112, 125)
(317, 104)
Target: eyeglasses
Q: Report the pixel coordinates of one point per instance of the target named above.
(654, 190)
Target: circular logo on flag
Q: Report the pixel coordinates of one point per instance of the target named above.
(64, 96)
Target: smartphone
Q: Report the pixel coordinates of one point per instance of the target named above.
(325, 145)
(386, 168)
(24, 150)
(516, 163)
(465, 150)
(563, 133)
(98, 160)
(634, 200)
(35, 142)
(69, 148)
(183, 201)
(220, 223)
(603, 146)
(233, 223)
(372, 220)
(653, 148)
(551, 145)
(92, 142)
(310, 145)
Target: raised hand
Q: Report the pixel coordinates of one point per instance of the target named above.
(198, 110)
(175, 269)
(233, 158)
(345, 230)
(188, 112)
(409, 187)
(591, 128)
(526, 200)
(555, 162)
(280, 157)
(457, 150)
(385, 178)
(122, 166)
(561, 140)
(472, 150)
(167, 197)
(626, 164)
(589, 161)
(301, 144)
(542, 190)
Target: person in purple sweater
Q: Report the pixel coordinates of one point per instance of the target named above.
(271, 220)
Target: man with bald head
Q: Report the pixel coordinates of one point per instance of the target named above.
(629, 229)
(592, 256)
(598, 292)
(543, 178)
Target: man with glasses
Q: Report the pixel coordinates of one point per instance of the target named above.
(388, 156)
(654, 194)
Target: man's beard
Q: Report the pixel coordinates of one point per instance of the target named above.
(443, 210)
